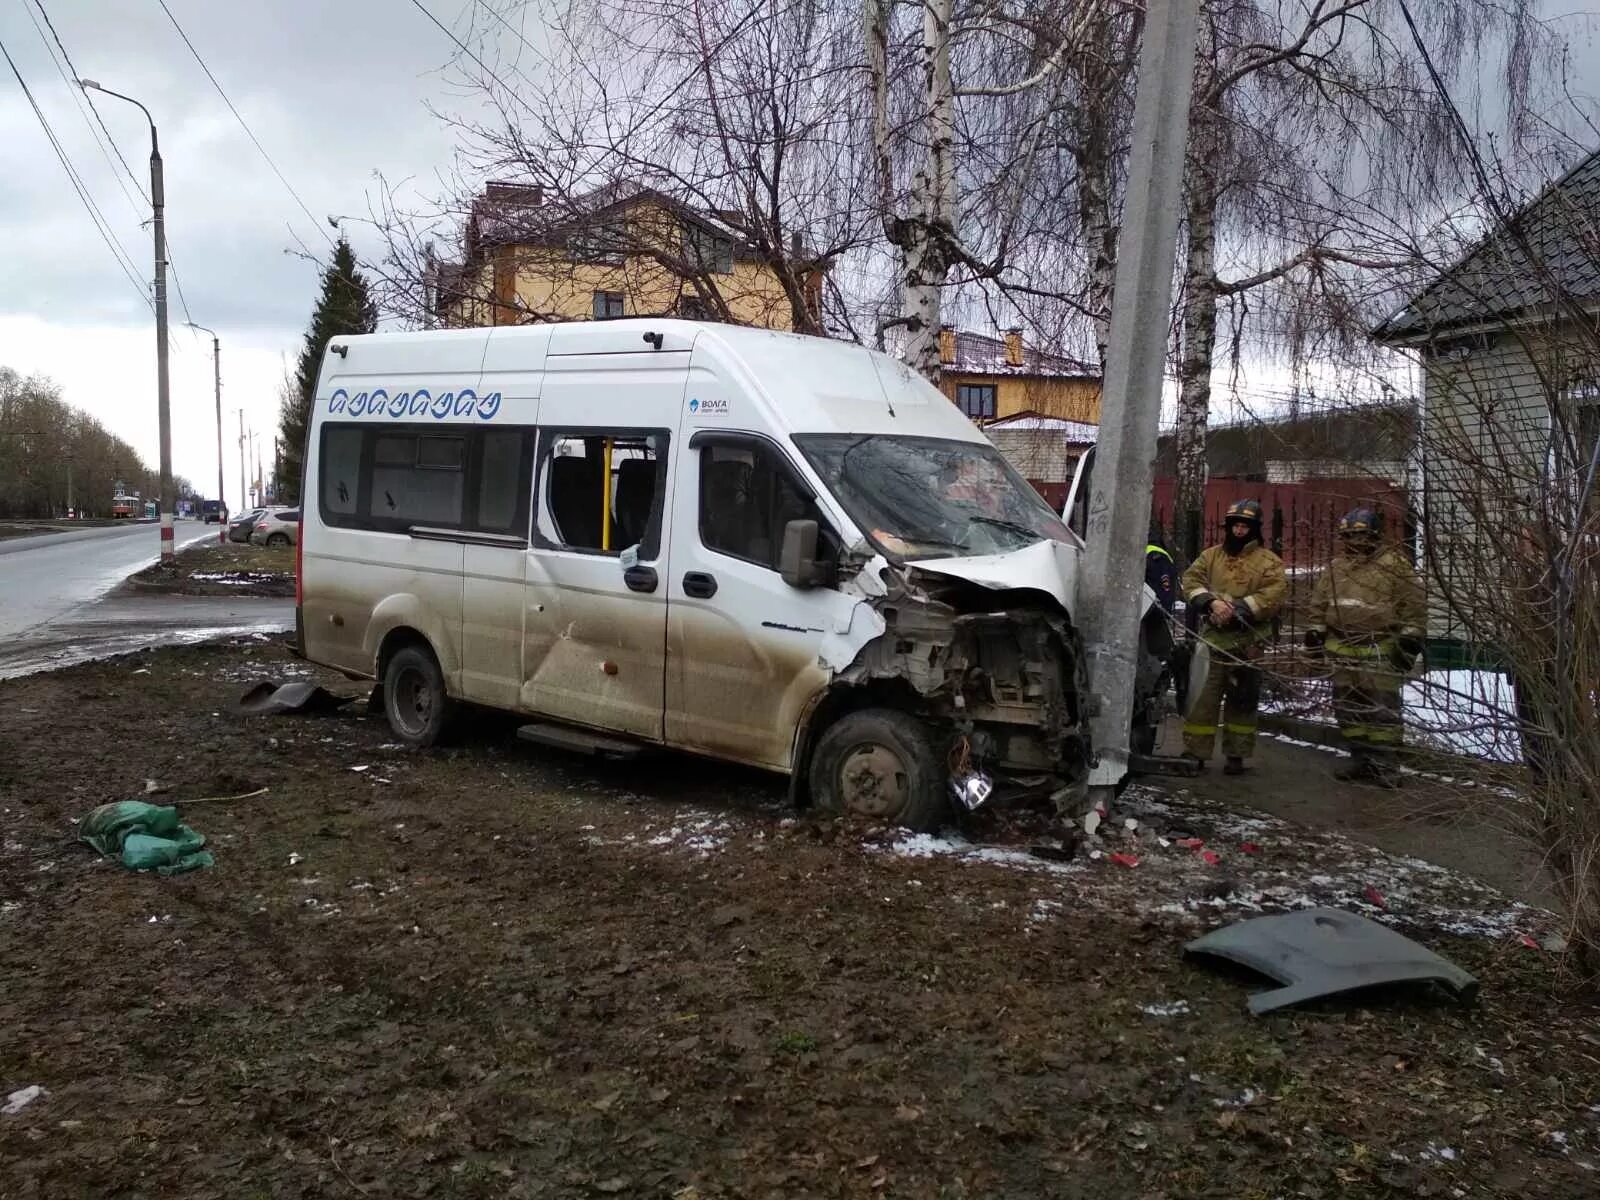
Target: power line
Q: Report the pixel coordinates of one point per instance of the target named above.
(78, 99)
(102, 226)
(242, 123)
(464, 49)
(73, 81)
(70, 76)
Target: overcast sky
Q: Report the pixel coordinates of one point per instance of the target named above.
(334, 92)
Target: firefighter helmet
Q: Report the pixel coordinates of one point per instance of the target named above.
(1248, 511)
(1360, 522)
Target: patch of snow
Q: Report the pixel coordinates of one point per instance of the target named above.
(294, 858)
(1174, 1008)
(21, 1098)
(1436, 1153)
(927, 845)
(1242, 1100)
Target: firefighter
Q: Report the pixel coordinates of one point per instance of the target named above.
(1236, 589)
(1366, 619)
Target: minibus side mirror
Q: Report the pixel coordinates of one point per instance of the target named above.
(798, 566)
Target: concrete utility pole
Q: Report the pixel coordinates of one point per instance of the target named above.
(244, 495)
(1119, 497)
(164, 409)
(216, 361)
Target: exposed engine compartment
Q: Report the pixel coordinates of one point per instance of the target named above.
(1002, 673)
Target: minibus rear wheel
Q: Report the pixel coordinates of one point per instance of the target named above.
(879, 762)
(414, 698)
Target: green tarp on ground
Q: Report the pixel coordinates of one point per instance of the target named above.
(147, 836)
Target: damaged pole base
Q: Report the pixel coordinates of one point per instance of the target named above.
(1163, 764)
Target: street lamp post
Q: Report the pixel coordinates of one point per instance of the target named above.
(216, 360)
(164, 412)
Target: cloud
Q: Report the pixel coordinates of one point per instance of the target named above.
(335, 92)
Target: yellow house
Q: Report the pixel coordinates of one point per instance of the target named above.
(619, 253)
(989, 378)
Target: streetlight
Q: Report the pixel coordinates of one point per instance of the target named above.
(216, 358)
(164, 414)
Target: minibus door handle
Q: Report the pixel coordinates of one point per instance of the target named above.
(640, 579)
(699, 585)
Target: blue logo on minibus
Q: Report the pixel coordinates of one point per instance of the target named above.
(378, 403)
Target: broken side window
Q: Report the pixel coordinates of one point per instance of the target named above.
(600, 491)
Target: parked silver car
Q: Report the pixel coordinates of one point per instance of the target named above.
(277, 527)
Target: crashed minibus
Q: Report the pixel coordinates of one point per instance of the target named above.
(777, 550)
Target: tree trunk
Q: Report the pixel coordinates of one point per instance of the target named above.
(1098, 81)
(926, 248)
(1199, 342)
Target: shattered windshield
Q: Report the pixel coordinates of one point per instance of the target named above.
(929, 497)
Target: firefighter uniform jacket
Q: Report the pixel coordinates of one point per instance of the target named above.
(1252, 581)
(1367, 600)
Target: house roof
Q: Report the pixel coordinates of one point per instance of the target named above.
(980, 354)
(1079, 433)
(1497, 278)
(1355, 436)
(512, 215)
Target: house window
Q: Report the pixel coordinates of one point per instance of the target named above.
(607, 304)
(692, 308)
(707, 251)
(602, 244)
(976, 400)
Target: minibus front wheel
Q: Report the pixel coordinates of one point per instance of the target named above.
(414, 698)
(879, 762)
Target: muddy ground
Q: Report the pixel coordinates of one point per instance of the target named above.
(211, 568)
(499, 971)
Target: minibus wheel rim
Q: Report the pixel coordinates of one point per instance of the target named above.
(873, 780)
(413, 699)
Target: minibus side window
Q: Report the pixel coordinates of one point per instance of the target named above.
(747, 496)
(418, 480)
(600, 491)
(340, 468)
(502, 489)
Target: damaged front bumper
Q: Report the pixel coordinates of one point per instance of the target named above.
(1000, 675)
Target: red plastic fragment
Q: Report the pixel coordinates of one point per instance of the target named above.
(1374, 896)
(1528, 942)
(1190, 843)
(1211, 857)
(1249, 848)
(1123, 860)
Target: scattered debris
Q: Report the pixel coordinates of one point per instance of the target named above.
(270, 698)
(147, 836)
(21, 1098)
(1324, 952)
(1374, 897)
(1124, 860)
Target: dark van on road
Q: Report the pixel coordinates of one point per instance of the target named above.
(213, 512)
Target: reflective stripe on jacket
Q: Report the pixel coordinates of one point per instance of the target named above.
(1368, 598)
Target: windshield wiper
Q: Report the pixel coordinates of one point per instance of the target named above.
(1033, 535)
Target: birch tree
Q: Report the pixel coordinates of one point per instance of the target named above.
(969, 96)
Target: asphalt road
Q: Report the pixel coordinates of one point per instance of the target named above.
(54, 607)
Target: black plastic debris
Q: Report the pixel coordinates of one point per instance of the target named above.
(1319, 952)
(268, 698)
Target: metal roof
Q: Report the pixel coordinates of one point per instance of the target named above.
(1497, 278)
